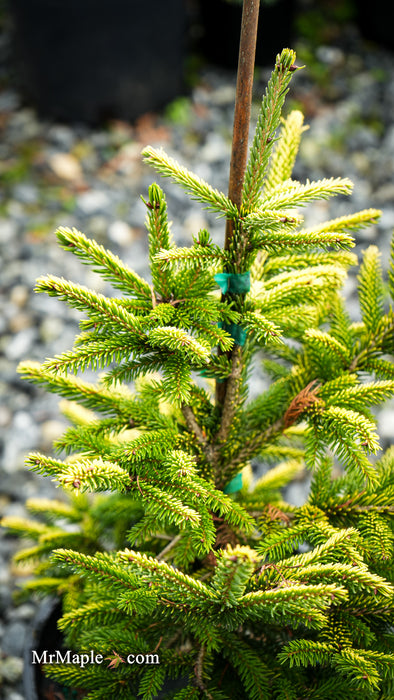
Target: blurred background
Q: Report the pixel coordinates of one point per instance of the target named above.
(84, 86)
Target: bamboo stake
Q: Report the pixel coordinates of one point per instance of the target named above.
(243, 105)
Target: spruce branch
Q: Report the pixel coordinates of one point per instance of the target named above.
(196, 256)
(95, 354)
(267, 124)
(159, 237)
(194, 185)
(273, 240)
(197, 431)
(350, 222)
(96, 305)
(296, 287)
(113, 403)
(283, 159)
(371, 292)
(179, 582)
(103, 262)
(303, 652)
(290, 194)
(291, 601)
(197, 351)
(82, 474)
(391, 270)
(302, 259)
(255, 675)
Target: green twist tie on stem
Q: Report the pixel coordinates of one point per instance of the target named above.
(204, 373)
(234, 485)
(236, 332)
(234, 283)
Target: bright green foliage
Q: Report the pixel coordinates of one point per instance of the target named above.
(240, 593)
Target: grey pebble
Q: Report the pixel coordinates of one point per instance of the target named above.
(386, 423)
(14, 695)
(19, 345)
(26, 611)
(93, 202)
(22, 435)
(5, 599)
(26, 193)
(8, 230)
(14, 638)
(9, 101)
(22, 126)
(11, 669)
(61, 136)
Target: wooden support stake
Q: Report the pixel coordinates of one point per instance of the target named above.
(243, 106)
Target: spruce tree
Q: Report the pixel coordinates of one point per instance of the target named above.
(180, 552)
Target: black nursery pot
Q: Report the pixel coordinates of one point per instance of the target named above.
(90, 60)
(376, 21)
(45, 636)
(221, 22)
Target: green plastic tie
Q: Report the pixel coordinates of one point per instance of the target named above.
(237, 333)
(204, 373)
(234, 283)
(234, 485)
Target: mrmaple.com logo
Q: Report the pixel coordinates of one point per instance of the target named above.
(81, 660)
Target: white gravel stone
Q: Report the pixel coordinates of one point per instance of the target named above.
(14, 639)
(387, 218)
(26, 193)
(5, 414)
(51, 430)
(11, 669)
(8, 230)
(120, 233)
(62, 136)
(20, 321)
(14, 695)
(386, 424)
(297, 490)
(20, 344)
(330, 55)
(19, 295)
(194, 222)
(51, 328)
(93, 202)
(4, 573)
(23, 612)
(22, 126)
(23, 435)
(66, 166)
(9, 100)
(16, 211)
(215, 149)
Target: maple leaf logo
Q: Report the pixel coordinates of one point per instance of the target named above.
(114, 660)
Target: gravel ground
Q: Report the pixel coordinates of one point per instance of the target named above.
(91, 179)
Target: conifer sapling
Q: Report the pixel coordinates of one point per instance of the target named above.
(184, 553)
